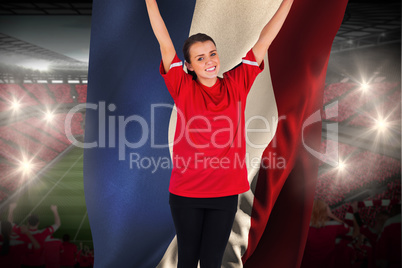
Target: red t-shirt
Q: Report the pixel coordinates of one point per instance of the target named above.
(320, 246)
(67, 257)
(52, 249)
(36, 257)
(209, 151)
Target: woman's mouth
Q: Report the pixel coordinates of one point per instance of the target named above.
(211, 69)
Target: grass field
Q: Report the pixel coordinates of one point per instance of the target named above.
(61, 185)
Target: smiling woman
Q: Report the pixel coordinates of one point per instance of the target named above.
(201, 57)
(204, 197)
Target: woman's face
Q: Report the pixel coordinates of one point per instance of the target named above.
(204, 60)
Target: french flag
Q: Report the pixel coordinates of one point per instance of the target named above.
(130, 122)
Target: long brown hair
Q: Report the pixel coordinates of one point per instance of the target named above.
(319, 215)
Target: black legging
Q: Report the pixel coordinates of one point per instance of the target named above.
(202, 234)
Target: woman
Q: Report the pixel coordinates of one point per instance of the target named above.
(209, 149)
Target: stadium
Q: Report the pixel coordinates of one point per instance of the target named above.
(43, 92)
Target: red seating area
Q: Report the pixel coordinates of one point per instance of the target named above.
(368, 214)
(360, 170)
(4, 106)
(393, 192)
(347, 106)
(49, 128)
(390, 110)
(34, 139)
(13, 92)
(329, 148)
(382, 88)
(332, 91)
(40, 92)
(39, 135)
(62, 92)
(354, 100)
(76, 129)
(9, 152)
(82, 93)
(32, 147)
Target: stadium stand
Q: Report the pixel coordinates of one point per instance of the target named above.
(41, 136)
(48, 128)
(62, 92)
(40, 92)
(335, 90)
(361, 169)
(389, 110)
(330, 148)
(354, 101)
(82, 93)
(14, 92)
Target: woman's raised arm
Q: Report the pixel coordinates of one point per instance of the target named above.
(161, 33)
(270, 30)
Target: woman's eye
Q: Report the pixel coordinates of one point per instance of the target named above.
(200, 59)
(213, 54)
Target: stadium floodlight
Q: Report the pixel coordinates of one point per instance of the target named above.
(85, 81)
(57, 81)
(49, 116)
(26, 166)
(364, 87)
(15, 105)
(381, 124)
(42, 81)
(73, 81)
(341, 165)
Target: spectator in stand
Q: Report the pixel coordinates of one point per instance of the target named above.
(52, 251)
(35, 258)
(324, 228)
(11, 249)
(84, 257)
(388, 249)
(370, 234)
(68, 256)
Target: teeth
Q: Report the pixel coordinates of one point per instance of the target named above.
(211, 69)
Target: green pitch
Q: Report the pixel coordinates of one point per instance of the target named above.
(61, 185)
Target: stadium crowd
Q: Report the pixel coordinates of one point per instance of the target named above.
(27, 246)
(351, 242)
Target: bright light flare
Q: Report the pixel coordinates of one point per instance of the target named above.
(15, 105)
(341, 165)
(49, 116)
(26, 166)
(381, 124)
(364, 87)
